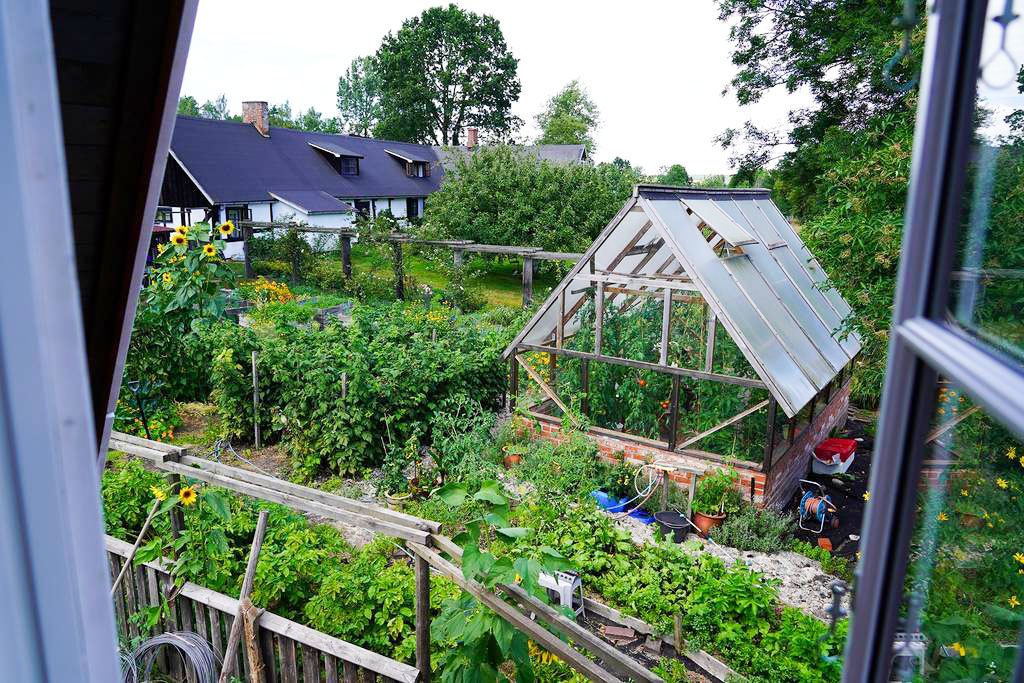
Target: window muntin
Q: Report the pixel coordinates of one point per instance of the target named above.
(348, 166)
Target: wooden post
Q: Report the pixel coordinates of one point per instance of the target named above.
(792, 429)
(346, 255)
(664, 490)
(673, 419)
(135, 548)
(553, 369)
(423, 619)
(585, 385)
(599, 318)
(177, 518)
(769, 447)
(677, 620)
(527, 280)
(560, 326)
(666, 322)
(246, 236)
(251, 615)
(513, 389)
(344, 385)
(236, 625)
(399, 268)
(256, 402)
(709, 353)
(295, 260)
(457, 257)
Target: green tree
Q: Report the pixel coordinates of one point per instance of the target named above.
(313, 121)
(502, 195)
(569, 118)
(442, 71)
(210, 109)
(280, 115)
(674, 175)
(359, 96)
(187, 106)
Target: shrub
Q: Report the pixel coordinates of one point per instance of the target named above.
(753, 528)
(272, 268)
(716, 493)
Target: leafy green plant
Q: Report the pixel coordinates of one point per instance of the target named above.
(754, 528)
(716, 493)
(831, 564)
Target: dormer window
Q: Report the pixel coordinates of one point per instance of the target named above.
(415, 167)
(344, 161)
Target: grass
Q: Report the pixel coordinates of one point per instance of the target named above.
(501, 279)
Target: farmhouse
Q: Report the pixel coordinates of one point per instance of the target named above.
(219, 170)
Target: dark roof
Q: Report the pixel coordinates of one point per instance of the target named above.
(336, 150)
(232, 162)
(405, 155)
(312, 201)
(556, 154)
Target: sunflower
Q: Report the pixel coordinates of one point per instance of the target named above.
(181, 230)
(1014, 602)
(226, 228)
(179, 239)
(161, 248)
(1002, 483)
(209, 250)
(158, 493)
(187, 495)
(167, 278)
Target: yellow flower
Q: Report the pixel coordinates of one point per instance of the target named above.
(226, 228)
(1019, 557)
(942, 517)
(519, 579)
(167, 278)
(1021, 461)
(209, 250)
(1012, 453)
(867, 496)
(963, 492)
(1001, 483)
(957, 647)
(158, 493)
(179, 239)
(161, 248)
(1014, 602)
(187, 495)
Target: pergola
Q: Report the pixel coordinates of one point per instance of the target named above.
(730, 251)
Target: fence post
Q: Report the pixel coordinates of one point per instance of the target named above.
(527, 280)
(255, 402)
(423, 619)
(457, 257)
(246, 236)
(346, 255)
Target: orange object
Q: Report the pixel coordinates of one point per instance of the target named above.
(824, 542)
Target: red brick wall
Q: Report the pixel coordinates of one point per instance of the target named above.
(773, 489)
(791, 466)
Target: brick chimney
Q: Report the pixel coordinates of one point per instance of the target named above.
(471, 137)
(258, 114)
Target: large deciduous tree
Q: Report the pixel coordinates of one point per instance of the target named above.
(569, 118)
(359, 97)
(442, 71)
(674, 175)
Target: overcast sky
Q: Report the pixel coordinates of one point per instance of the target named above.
(655, 69)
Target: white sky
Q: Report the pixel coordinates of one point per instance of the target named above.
(655, 69)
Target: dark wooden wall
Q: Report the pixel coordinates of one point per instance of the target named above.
(116, 61)
(178, 189)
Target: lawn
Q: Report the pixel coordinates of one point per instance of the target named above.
(501, 279)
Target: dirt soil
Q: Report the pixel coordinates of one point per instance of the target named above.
(635, 648)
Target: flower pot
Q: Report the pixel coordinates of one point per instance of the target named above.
(512, 460)
(707, 522)
(673, 525)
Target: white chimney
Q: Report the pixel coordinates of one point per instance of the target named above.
(258, 114)
(471, 137)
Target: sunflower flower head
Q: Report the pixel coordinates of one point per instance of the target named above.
(209, 250)
(158, 493)
(1012, 453)
(181, 230)
(1013, 601)
(178, 239)
(167, 278)
(187, 495)
(1019, 557)
(226, 228)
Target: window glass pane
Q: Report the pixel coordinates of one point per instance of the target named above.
(988, 280)
(962, 608)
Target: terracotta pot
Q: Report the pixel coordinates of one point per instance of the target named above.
(707, 522)
(512, 460)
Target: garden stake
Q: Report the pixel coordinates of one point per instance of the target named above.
(255, 401)
(135, 548)
(236, 625)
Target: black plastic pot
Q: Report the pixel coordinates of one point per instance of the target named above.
(672, 524)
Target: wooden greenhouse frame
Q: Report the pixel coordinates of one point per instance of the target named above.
(729, 250)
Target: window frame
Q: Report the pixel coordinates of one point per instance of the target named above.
(341, 166)
(923, 343)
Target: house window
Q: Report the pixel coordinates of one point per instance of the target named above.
(349, 166)
(412, 207)
(236, 214)
(363, 206)
(417, 169)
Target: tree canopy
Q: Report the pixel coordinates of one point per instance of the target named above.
(674, 175)
(359, 97)
(502, 195)
(569, 118)
(210, 109)
(442, 71)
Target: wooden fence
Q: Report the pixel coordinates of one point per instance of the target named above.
(458, 247)
(291, 652)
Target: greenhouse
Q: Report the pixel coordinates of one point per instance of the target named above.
(694, 317)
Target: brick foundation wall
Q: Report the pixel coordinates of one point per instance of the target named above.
(792, 465)
(773, 489)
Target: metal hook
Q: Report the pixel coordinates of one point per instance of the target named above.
(907, 22)
(835, 613)
(1004, 20)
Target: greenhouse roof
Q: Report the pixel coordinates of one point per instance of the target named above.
(736, 250)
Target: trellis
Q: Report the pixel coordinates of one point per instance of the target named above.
(730, 251)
